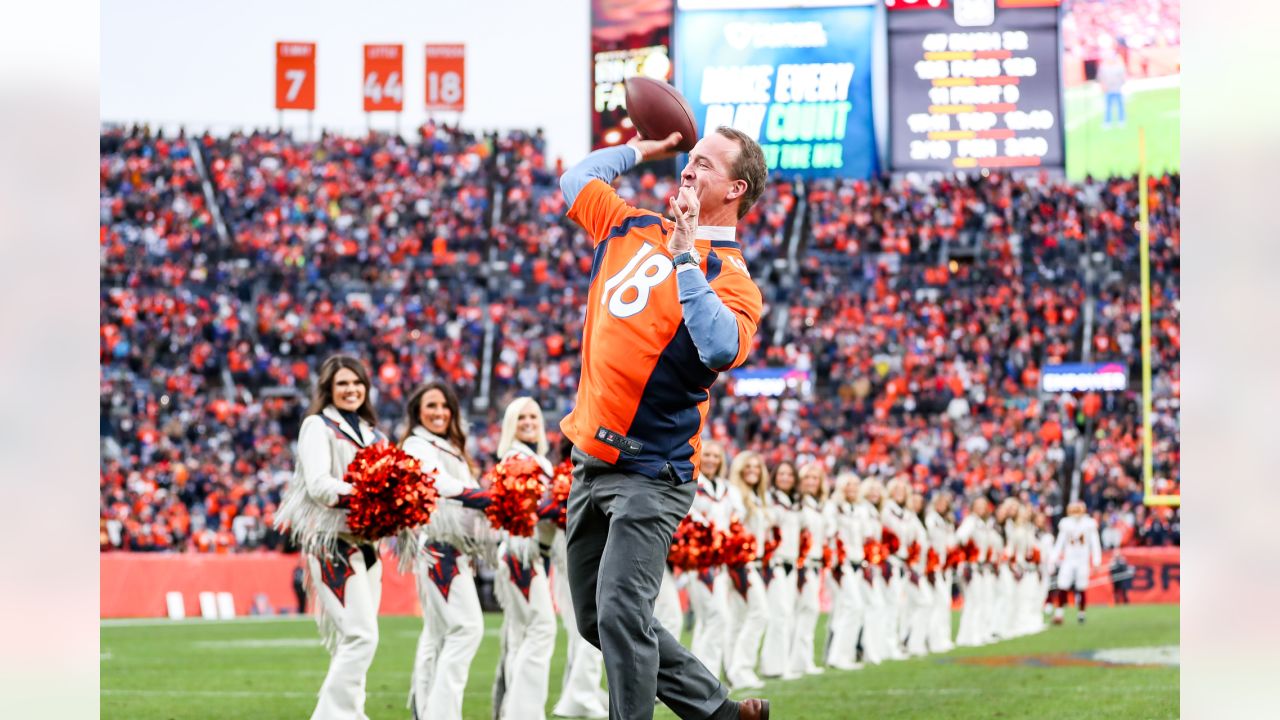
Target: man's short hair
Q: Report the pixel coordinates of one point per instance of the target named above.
(749, 166)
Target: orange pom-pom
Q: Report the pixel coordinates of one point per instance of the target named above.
(739, 545)
(516, 485)
(561, 484)
(695, 546)
(806, 544)
(390, 492)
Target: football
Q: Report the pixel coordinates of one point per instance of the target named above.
(657, 110)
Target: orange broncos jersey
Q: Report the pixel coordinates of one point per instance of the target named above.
(644, 391)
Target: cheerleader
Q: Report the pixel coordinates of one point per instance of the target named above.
(344, 573)
(919, 590)
(813, 494)
(708, 591)
(845, 621)
(893, 515)
(521, 586)
(580, 693)
(452, 621)
(748, 600)
(871, 579)
(783, 516)
(1047, 570)
(972, 538)
(942, 540)
(666, 607)
(1002, 601)
(1026, 558)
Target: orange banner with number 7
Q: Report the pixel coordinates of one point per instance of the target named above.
(446, 71)
(295, 76)
(383, 78)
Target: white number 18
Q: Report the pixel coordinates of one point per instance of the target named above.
(642, 274)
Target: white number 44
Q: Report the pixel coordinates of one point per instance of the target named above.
(641, 274)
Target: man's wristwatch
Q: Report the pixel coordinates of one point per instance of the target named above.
(691, 257)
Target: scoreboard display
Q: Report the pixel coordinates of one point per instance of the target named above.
(974, 84)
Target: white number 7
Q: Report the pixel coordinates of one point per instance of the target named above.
(643, 276)
(295, 78)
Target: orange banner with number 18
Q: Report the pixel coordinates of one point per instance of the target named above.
(446, 77)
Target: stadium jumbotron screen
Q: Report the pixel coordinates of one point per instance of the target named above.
(797, 79)
(974, 84)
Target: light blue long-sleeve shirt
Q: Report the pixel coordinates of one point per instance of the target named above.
(711, 324)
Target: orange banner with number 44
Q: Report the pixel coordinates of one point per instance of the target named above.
(446, 77)
(383, 78)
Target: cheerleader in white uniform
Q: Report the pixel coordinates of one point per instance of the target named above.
(709, 588)
(780, 578)
(972, 537)
(452, 621)
(1026, 556)
(666, 607)
(942, 540)
(521, 583)
(581, 695)
(1047, 569)
(845, 621)
(748, 600)
(875, 623)
(344, 573)
(920, 594)
(893, 515)
(1005, 585)
(813, 494)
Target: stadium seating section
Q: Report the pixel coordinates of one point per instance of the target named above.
(232, 265)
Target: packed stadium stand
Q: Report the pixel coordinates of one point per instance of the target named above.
(923, 313)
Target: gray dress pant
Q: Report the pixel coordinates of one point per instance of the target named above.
(619, 532)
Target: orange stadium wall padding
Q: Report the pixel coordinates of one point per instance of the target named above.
(1156, 572)
(134, 584)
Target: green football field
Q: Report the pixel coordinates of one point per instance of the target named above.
(1102, 152)
(1122, 664)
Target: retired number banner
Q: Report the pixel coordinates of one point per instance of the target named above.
(383, 78)
(446, 71)
(295, 76)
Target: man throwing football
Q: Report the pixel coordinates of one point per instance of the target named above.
(671, 305)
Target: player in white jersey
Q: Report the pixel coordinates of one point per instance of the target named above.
(919, 591)
(875, 623)
(942, 540)
(845, 621)
(1077, 551)
(893, 515)
(780, 578)
(812, 496)
(748, 599)
(708, 589)
(972, 536)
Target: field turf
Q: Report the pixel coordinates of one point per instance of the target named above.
(1106, 151)
(272, 668)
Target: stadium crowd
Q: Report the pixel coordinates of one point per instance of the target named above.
(923, 315)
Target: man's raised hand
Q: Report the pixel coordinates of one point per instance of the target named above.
(684, 211)
(656, 149)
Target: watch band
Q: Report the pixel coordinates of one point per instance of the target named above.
(687, 258)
